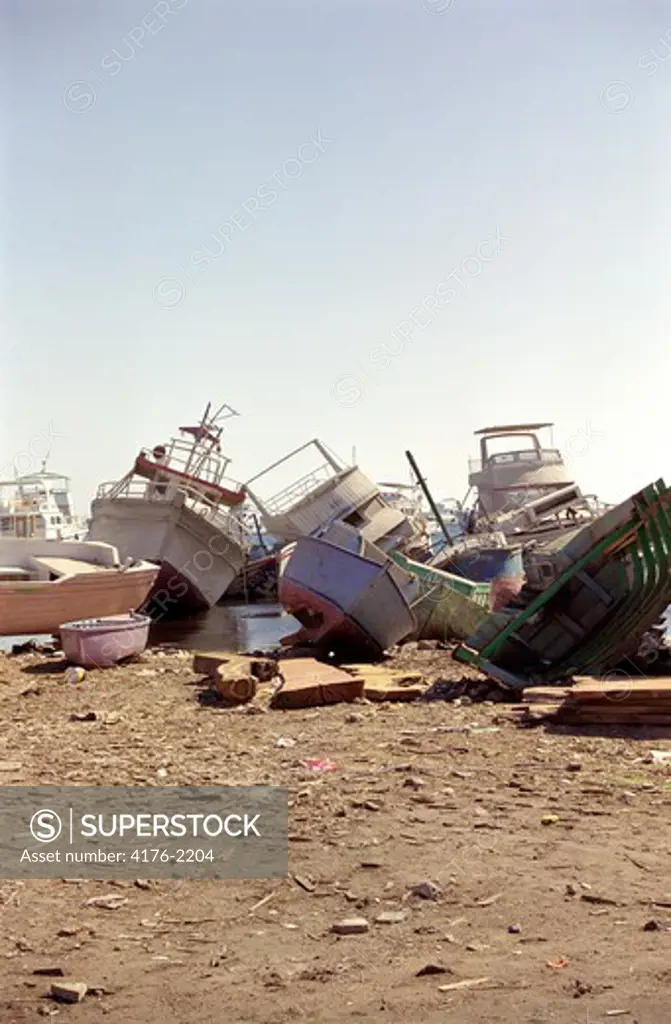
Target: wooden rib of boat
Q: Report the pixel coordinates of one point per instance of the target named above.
(44, 583)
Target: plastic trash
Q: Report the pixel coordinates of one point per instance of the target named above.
(74, 674)
(315, 764)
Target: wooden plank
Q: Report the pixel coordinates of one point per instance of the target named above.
(592, 682)
(308, 683)
(611, 691)
(378, 688)
(546, 694)
(606, 717)
(382, 683)
(217, 663)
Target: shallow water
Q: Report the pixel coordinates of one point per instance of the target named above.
(227, 627)
(224, 627)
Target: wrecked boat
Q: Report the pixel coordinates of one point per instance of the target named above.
(446, 607)
(525, 490)
(44, 583)
(489, 558)
(590, 598)
(346, 595)
(523, 493)
(177, 508)
(327, 492)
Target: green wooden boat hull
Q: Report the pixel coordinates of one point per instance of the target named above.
(446, 607)
(611, 582)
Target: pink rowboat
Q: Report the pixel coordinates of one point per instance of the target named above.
(101, 643)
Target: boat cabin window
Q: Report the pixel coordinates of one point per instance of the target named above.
(527, 455)
(355, 519)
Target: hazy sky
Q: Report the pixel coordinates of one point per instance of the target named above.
(480, 187)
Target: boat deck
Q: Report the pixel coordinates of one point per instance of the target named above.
(68, 566)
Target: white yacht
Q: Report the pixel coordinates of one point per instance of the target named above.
(39, 506)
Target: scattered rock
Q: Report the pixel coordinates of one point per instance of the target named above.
(30, 691)
(391, 917)
(68, 991)
(304, 883)
(549, 819)
(591, 897)
(514, 929)
(426, 890)
(107, 902)
(432, 968)
(657, 926)
(574, 766)
(351, 926)
(414, 782)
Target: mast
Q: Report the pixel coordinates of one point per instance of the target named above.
(427, 494)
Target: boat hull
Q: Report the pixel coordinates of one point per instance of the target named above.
(588, 601)
(197, 558)
(345, 599)
(256, 581)
(42, 606)
(103, 642)
(503, 568)
(446, 607)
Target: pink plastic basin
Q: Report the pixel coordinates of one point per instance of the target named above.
(100, 643)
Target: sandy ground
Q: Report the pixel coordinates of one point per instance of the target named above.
(550, 910)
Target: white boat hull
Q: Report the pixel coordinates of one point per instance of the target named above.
(198, 558)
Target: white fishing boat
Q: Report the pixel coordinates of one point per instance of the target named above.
(39, 505)
(176, 507)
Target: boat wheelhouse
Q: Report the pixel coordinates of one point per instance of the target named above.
(177, 507)
(524, 471)
(39, 505)
(327, 494)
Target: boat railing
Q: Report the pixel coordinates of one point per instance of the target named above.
(146, 490)
(184, 456)
(295, 492)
